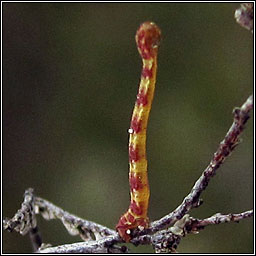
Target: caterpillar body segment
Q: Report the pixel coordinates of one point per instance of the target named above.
(147, 39)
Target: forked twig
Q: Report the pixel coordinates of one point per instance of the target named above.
(166, 241)
(231, 140)
(24, 221)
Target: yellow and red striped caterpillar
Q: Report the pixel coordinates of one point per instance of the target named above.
(147, 39)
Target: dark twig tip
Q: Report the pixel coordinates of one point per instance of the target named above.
(244, 16)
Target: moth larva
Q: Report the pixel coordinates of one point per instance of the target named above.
(147, 39)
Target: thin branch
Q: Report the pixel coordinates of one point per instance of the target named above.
(231, 140)
(104, 245)
(24, 221)
(162, 241)
(88, 230)
(35, 238)
(167, 241)
(218, 218)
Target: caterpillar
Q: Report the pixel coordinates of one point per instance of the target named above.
(147, 40)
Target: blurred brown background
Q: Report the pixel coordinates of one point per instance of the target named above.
(70, 77)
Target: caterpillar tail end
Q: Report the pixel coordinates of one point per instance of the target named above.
(125, 227)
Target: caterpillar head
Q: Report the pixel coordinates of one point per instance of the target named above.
(148, 39)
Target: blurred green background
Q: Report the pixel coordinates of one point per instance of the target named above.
(70, 78)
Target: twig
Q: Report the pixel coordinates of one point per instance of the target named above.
(218, 218)
(25, 218)
(162, 241)
(104, 245)
(24, 221)
(98, 236)
(168, 240)
(87, 230)
(244, 16)
(35, 238)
